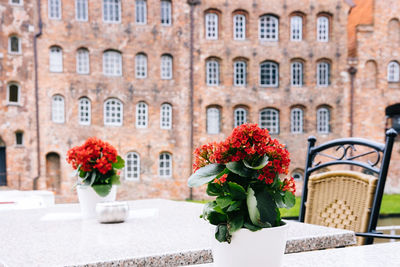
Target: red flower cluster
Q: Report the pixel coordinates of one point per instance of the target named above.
(94, 154)
(289, 185)
(221, 180)
(248, 142)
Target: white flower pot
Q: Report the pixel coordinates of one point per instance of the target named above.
(88, 198)
(256, 249)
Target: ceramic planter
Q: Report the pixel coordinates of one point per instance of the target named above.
(88, 198)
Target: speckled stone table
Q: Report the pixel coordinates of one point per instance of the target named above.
(157, 233)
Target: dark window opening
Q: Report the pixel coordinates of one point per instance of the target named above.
(13, 93)
(19, 138)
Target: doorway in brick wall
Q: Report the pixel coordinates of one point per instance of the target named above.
(53, 172)
(3, 169)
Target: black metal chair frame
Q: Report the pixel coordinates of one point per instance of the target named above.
(347, 145)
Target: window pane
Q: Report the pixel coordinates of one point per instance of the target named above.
(54, 9)
(212, 72)
(269, 74)
(269, 119)
(84, 115)
(81, 10)
(239, 27)
(165, 165)
(113, 112)
(13, 91)
(166, 116)
(323, 29)
(213, 118)
(132, 168)
(268, 28)
(211, 26)
(393, 72)
(296, 122)
(111, 10)
(240, 73)
(297, 74)
(58, 109)
(323, 120)
(112, 63)
(141, 66)
(240, 116)
(166, 67)
(19, 138)
(323, 74)
(82, 61)
(56, 59)
(141, 12)
(141, 115)
(296, 28)
(15, 45)
(166, 13)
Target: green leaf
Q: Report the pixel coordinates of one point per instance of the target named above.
(236, 223)
(261, 164)
(258, 209)
(234, 206)
(115, 180)
(289, 200)
(210, 214)
(266, 206)
(102, 189)
(222, 234)
(279, 200)
(238, 168)
(237, 191)
(251, 226)
(224, 202)
(119, 164)
(205, 174)
(214, 189)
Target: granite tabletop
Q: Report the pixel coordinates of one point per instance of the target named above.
(157, 233)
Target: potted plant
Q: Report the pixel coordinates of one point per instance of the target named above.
(245, 173)
(96, 165)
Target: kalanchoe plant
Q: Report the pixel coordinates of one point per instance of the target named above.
(243, 173)
(96, 164)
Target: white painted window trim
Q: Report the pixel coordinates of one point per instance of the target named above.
(166, 67)
(298, 174)
(84, 103)
(82, 61)
(141, 66)
(212, 72)
(166, 116)
(323, 74)
(19, 45)
(239, 69)
(58, 109)
(132, 157)
(141, 12)
(58, 11)
(117, 103)
(296, 120)
(274, 119)
(296, 28)
(166, 13)
(115, 57)
(56, 59)
(262, 35)
(240, 116)
(323, 120)
(86, 10)
(213, 120)
(12, 103)
(296, 74)
(21, 3)
(211, 24)
(393, 72)
(239, 27)
(142, 115)
(111, 19)
(166, 159)
(276, 77)
(323, 29)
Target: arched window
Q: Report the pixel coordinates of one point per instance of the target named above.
(141, 66)
(239, 73)
(268, 28)
(112, 63)
(323, 74)
(165, 165)
(141, 11)
(296, 71)
(82, 61)
(166, 13)
(239, 27)
(16, 2)
(54, 9)
(81, 8)
(323, 120)
(113, 112)
(297, 175)
(269, 119)
(213, 120)
(393, 72)
(240, 115)
(141, 115)
(296, 120)
(132, 168)
(58, 109)
(211, 20)
(322, 29)
(14, 45)
(166, 116)
(84, 115)
(112, 11)
(212, 72)
(166, 67)
(13, 94)
(19, 138)
(56, 59)
(269, 74)
(296, 28)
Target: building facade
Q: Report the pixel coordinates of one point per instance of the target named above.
(157, 78)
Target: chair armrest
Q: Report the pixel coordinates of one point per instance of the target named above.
(378, 235)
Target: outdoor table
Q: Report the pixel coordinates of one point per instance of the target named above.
(157, 233)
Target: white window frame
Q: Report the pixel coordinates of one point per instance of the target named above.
(165, 165)
(213, 120)
(323, 120)
(141, 12)
(239, 27)
(141, 66)
(18, 94)
(239, 73)
(240, 116)
(268, 28)
(393, 72)
(166, 13)
(269, 119)
(166, 116)
(296, 120)
(21, 2)
(56, 59)
(82, 61)
(323, 29)
(112, 63)
(132, 161)
(109, 8)
(267, 69)
(58, 109)
(323, 74)
(297, 173)
(166, 67)
(84, 111)
(57, 9)
(296, 73)
(142, 115)
(111, 117)
(211, 24)
(81, 10)
(296, 28)
(19, 45)
(212, 72)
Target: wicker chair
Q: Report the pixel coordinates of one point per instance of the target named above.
(346, 199)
